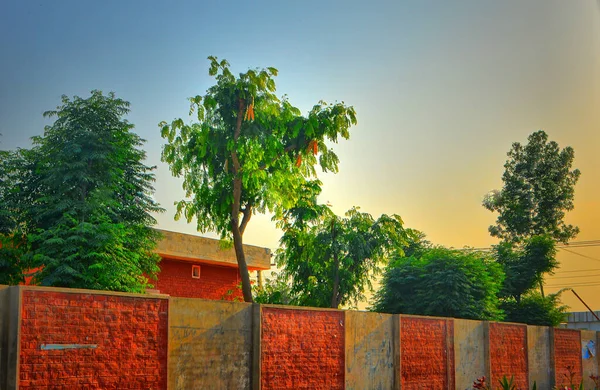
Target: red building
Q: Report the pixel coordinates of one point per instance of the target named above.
(197, 267)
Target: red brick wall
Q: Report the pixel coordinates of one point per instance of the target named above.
(175, 279)
(302, 349)
(508, 353)
(567, 354)
(427, 353)
(130, 334)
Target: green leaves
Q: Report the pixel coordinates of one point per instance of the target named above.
(441, 282)
(267, 148)
(539, 187)
(82, 197)
(329, 260)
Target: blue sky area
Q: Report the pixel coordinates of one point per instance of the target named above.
(441, 90)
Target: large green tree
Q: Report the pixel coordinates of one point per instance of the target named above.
(248, 152)
(83, 197)
(436, 281)
(538, 189)
(330, 260)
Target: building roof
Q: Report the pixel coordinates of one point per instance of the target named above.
(188, 247)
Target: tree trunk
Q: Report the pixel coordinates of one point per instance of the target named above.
(336, 273)
(542, 288)
(241, 260)
(235, 211)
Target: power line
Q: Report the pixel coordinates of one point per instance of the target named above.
(579, 270)
(573, 285)
(572, 277)
(579, 254)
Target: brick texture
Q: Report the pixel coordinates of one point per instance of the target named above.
(175, 279)
(427, 353)
(508, 353)
(567, 356)
(302, 349)
(130, 334)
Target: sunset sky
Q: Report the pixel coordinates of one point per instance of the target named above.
(441, 89)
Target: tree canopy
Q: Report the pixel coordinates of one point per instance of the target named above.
(82, 198)
(442, 282)
(330, 260)
(249, 151)
(538, 189)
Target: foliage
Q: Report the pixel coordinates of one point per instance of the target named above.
(442, 282)
(535, 309)
(12, 241)
(276, 291)
(83, 199)
(526, 264)
(330, 260)
(507, 384)
(248, 152)
(538, 189)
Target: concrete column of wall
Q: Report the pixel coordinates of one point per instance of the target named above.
(369, 350)
(210, 344)
(589, 347)
(541, 365)
(10, 339)
(469, 352)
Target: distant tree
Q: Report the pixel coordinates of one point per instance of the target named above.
(83, 199)
(249, 152)
(535, 309)
(525, 265)
(442, 282)
(539, 186)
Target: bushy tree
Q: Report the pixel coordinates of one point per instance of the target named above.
(248, 152)
(442, 282)
(525, 265)
(330, 260)
(538, 189)
(535, 309)
(11, 239)
(83, 199)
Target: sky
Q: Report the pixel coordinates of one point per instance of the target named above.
(441, 90)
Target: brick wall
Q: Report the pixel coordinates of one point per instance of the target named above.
(175, 279)
(302, 349)
(427, 359)
(130, 335)
(567, 356)
(508, 353)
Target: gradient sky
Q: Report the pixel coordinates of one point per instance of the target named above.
(441, 89)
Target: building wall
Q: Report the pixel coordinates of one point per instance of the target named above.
(4, 314)
(589, 348)
(567, 356)
(70, 339)
(210, 344)
(370, 357)
(302, 349)
(540, 357)
(427, 353)
(508, 353)
(469, 352)
(215, 282)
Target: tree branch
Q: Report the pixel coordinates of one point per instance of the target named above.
(247, 212)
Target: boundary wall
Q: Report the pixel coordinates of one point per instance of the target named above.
(57, 338)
